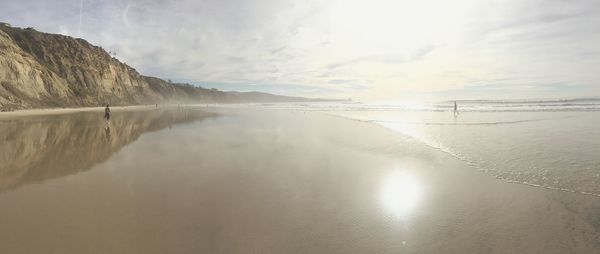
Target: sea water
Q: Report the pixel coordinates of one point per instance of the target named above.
(548, 143)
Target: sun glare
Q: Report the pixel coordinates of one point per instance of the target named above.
(400, 193)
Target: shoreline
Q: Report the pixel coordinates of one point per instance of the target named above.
(468, 162)
(69, 110)
(58, 111)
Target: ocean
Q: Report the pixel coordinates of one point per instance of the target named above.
(546, 143)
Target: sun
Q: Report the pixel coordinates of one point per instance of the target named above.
(400, 193)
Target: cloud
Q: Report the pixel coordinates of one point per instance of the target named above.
(367, 49)
(381, 59)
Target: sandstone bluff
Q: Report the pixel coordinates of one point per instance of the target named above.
(41, 70)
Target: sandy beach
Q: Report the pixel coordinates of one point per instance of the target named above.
(61, 111)
(216, 180)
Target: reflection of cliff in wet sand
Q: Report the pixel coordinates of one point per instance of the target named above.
(34, 149)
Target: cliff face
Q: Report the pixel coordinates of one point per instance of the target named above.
(185, 93)
(45, 70)
(49, 70)
(190, 94)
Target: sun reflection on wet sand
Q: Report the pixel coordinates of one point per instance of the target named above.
(400, 193)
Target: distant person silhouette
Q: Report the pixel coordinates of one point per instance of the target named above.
(455, 109)
(107, 113)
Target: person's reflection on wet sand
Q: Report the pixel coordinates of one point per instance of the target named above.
(107, 132)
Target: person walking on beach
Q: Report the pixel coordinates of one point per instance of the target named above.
(455, 109)
(107, 113)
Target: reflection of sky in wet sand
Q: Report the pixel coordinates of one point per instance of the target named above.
(283, 182)
(36, 148)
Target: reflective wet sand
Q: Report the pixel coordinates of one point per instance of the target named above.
(36, 148)
(262, 181)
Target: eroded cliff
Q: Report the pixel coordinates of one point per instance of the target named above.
(49, 70)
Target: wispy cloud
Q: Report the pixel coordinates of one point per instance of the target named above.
(370, 49)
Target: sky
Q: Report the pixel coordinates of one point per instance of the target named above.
(360, 49)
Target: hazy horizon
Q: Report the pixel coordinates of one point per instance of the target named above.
(379, 50)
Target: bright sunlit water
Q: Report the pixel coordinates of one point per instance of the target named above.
(400, 193)
(549, 143)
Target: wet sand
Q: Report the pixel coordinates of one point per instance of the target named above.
(61, 111)
(262, 181)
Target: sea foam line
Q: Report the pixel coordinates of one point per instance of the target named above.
(479, 168)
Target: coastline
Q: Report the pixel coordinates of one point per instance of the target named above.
(472, 163)
(58, 111)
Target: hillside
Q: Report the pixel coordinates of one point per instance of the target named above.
(41, 70)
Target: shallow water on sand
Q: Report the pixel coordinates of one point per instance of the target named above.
(557, 150)
(259, 181)
(549, 143)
